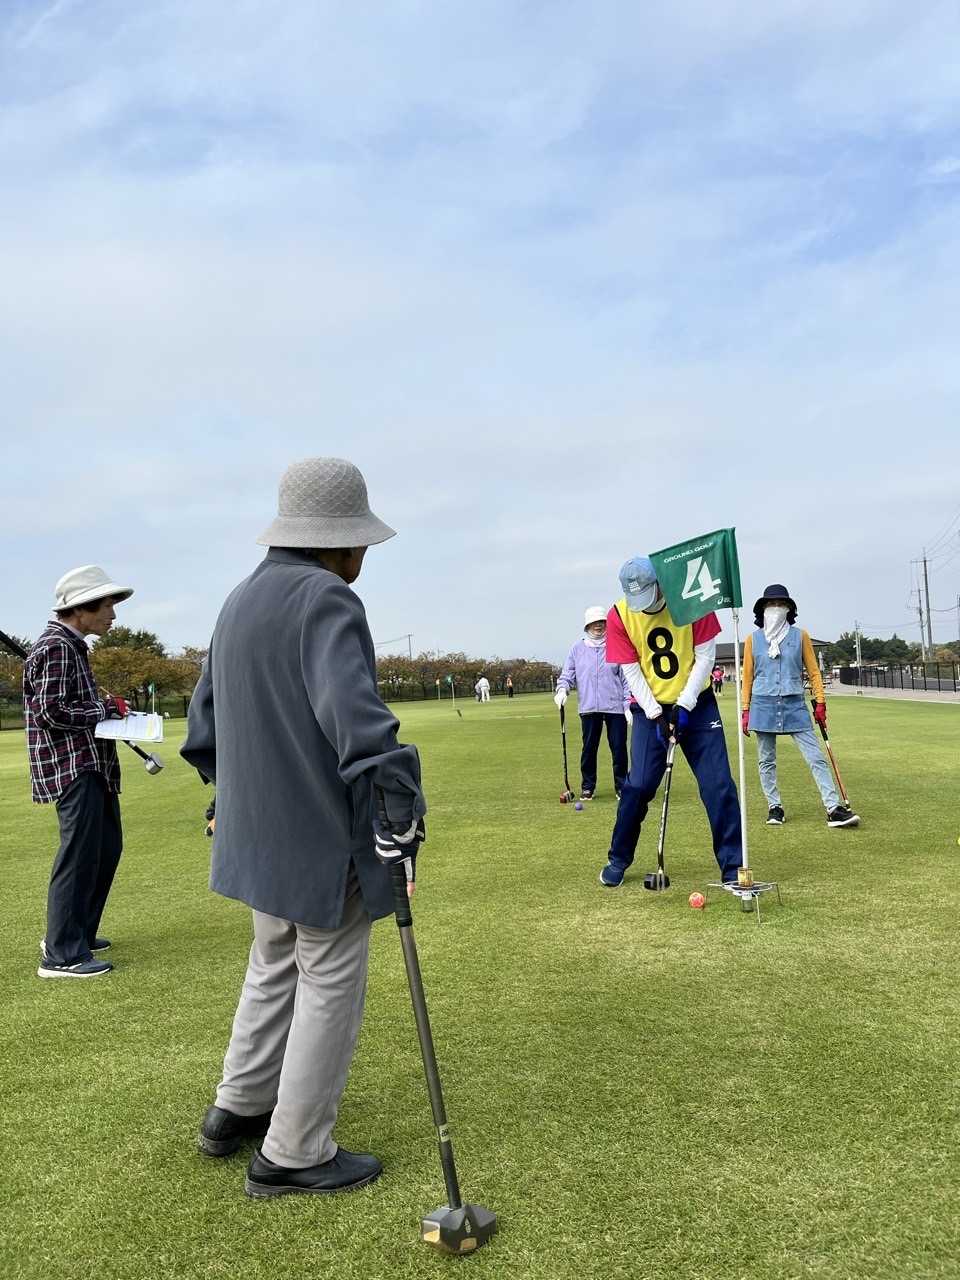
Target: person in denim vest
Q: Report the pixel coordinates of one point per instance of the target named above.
(603, 700)
(775, 657)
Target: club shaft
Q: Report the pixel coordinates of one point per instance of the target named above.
(662, 838)
(836, 774)
(415, 979)
(563, 738)
(12, 645)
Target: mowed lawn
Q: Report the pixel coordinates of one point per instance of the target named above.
(637, 1089)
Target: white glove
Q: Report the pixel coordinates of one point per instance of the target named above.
(560, 697)
(628, 715)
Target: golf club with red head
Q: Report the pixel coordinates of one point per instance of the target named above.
(836, 772)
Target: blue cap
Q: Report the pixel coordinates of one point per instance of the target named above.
(639, 582)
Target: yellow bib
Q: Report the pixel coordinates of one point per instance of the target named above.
(664, 650)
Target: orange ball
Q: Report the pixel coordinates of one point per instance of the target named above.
(697, 901)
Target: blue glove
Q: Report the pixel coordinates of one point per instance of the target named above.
(673, 720)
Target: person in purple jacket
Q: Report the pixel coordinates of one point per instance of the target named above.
(603, 698)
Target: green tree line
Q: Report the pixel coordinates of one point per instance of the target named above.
(895, 650)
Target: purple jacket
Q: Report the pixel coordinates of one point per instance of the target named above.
(600, 686)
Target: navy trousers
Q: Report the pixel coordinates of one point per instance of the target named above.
(592, 725)
(91, 842)
(703, 744)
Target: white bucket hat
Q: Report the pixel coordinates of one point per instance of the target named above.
(594, 614)
(86, 584)
(323, 503)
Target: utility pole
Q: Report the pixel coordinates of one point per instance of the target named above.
(926, 587)
(856, 640)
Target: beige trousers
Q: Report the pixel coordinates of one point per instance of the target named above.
(296, 1030)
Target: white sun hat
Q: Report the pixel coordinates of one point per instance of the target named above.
(83, 585)
(323, 503)
(594, 614)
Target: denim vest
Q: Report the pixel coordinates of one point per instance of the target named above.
(777, 702)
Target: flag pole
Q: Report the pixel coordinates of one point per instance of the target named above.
(744, 861)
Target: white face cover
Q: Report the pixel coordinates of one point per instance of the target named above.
(773, 619)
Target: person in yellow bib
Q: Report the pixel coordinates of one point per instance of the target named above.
(668, 670)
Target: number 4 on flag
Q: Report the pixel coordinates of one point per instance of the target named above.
(700, 583)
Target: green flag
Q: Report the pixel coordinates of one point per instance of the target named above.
(449, 679)
(151, 688)
(699, 576)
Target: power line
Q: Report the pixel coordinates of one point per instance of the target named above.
(946, 530)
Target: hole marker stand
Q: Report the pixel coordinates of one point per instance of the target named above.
(749, 894)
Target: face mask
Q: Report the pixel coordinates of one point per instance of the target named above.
(594, 642)
(773, 618)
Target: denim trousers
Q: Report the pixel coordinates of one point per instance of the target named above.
(806, 740)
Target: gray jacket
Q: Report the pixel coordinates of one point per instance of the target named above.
(287, 721)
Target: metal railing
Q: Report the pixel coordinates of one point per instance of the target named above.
(942, 677)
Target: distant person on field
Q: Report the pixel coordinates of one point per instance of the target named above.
(509, 686)
(482, 688)
(775, 657)
(75, 770)
(718, 681)
(603, 700)
(315, 799)
(668, 670)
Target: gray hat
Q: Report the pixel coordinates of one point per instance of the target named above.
(323, 504)
(86, 585)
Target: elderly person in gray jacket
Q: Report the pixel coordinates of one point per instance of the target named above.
(287, 721)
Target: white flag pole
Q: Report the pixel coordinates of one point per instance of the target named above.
(743, 767)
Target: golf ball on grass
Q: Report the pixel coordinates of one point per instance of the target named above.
(697, 901)
(578, 805)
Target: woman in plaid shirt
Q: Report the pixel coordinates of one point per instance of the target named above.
(74, 770)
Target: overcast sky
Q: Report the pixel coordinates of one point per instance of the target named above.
(569, 281)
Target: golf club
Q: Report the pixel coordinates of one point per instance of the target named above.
(836, 772)
(455, 1227)
(567, 796)
(152, 762)
(659, 879)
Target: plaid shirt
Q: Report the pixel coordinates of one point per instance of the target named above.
(61, 709)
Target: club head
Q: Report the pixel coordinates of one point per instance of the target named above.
(153, 763)
(459, 1230)
(656, 880)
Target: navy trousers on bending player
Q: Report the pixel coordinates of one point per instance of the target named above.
(705, 749)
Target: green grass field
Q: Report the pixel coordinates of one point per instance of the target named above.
(636, 1089)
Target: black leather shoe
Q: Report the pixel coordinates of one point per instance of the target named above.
(345, 1172)
(223, 1132)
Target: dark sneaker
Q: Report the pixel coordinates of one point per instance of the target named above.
(86, 969)
(841, 817)
(345, 1172)
(224, 1132)
(776, 817)
(586, 794)
(99, 944)
(611, 877)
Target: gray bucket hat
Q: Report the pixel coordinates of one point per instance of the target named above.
(323, 503)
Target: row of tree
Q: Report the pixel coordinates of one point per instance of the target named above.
(135, 665)
(132, 664)
(402, 677)
(892, 651)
